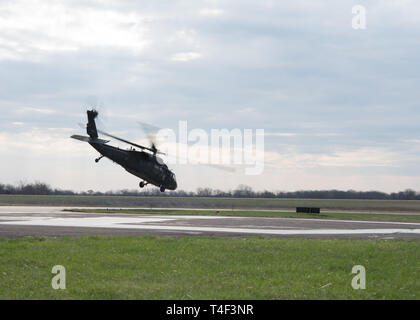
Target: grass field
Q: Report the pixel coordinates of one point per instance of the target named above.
(213, 203)
(256, 213)
(208, 268)
(150, 267)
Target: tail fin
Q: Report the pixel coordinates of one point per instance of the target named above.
(91, 126)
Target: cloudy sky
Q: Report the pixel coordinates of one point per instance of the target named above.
(340, 107)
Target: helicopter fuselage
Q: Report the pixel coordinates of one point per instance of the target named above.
(139, 163)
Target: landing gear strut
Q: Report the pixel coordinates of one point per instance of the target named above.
(97, 159)
(162, 189)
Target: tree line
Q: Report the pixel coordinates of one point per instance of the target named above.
(242, 191)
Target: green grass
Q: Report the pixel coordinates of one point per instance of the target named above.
(256, 213)
(212, 203)
(208, 268)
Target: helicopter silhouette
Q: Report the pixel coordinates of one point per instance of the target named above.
(143, 164)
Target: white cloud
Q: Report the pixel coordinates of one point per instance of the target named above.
(185, 56)
(211, 12)
(280, 134)
(359, 158)
(38, 142)
(33, 29)
(35, 110)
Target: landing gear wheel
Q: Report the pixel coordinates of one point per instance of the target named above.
(162, 189)
(141, 184)
(97, 159)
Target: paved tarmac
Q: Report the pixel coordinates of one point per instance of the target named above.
(52, 221)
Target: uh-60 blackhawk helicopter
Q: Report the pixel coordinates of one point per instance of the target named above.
(143, 164)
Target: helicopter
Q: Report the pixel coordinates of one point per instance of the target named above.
(143, 164)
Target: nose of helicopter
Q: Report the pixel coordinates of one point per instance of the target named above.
(171, 182)
(174, 185)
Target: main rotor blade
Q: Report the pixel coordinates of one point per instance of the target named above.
(129, 142)
(210, 165)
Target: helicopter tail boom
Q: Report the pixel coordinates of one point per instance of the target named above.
(87, 139)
